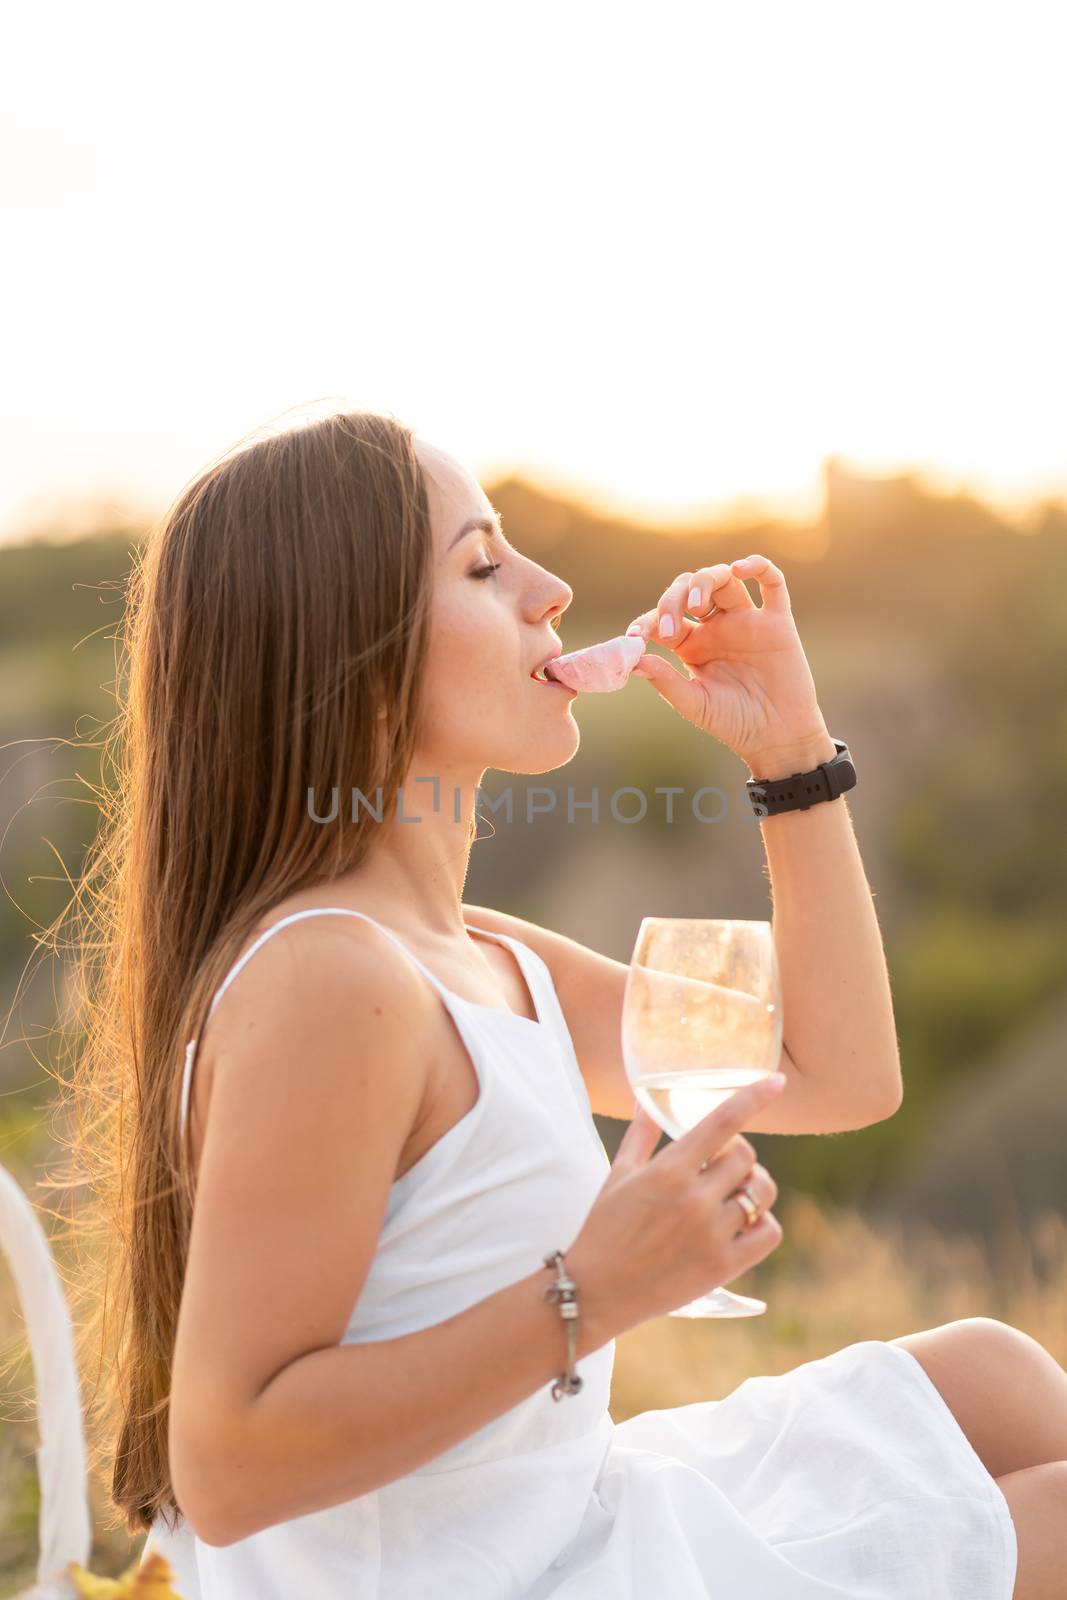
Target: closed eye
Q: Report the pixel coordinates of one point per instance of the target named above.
(486, 572)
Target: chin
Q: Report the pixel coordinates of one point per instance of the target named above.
(541, 754)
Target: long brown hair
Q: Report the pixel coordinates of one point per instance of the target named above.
(281, 601)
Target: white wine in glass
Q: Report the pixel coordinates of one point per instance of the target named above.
(701, 1017)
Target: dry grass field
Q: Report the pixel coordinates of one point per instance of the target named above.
(846, 1279)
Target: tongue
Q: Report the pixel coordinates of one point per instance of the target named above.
(599, 668)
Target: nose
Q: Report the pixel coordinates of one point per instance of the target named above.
(549, 598)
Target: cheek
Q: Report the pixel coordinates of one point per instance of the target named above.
(472, 651)
(471, 640)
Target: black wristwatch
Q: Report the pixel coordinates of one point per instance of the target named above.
(801, 790)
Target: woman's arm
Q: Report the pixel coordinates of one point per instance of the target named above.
(836, 999)
(747, 683)
(828, 949)
(343, 1420)
(271, 1417)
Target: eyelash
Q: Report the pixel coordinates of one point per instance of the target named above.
(486, 572)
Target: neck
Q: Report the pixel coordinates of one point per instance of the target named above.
(415, 871)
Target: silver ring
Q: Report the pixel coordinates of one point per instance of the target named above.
(748, 1205)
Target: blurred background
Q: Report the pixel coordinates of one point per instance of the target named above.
(677, 289)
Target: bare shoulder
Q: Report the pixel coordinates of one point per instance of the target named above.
(567, 959)
(314, 986)
(343, 958)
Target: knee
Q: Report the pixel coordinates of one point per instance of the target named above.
(980, 1344)
(996, 1336)
(994, 1347)
(987, 1327)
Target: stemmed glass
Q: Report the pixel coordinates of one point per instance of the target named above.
(701, 1017)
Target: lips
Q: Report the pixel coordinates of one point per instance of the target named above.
(539, 672)
(599, 668)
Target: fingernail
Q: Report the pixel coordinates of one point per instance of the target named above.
(666, 628)
(777, 1080)
(694, 599)
(635, 627)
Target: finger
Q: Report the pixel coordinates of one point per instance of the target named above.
(708, 589)
(707, 1137)
(667, 622)
(637, 1143)
(737, 1142)
(770, 578)
(753, 1244)
(763, 1187)
(717, 588)
(680, 689)
(672, 624)
(645, 624)
(650, 624)
(760, 1186)
(732, 1167)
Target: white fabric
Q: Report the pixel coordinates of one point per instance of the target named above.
(64, 1526)
(847, 1478)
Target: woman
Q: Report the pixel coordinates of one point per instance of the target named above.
(335, 1358)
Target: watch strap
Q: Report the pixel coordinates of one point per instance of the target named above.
(801, 790)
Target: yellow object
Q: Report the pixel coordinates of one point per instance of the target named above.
(152, 1580)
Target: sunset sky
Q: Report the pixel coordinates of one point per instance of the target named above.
(668, 258)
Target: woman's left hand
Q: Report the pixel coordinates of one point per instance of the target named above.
(750, 684)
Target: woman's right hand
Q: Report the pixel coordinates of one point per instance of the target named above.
(661, 1232)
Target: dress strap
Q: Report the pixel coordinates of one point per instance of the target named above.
(316, 911)
(295, 916)
(538, 978)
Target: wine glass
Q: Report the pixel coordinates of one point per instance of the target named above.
(701, 1017)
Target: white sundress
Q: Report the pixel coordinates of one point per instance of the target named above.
(847, 1478)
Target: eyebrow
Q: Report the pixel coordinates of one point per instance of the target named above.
(476, 525)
